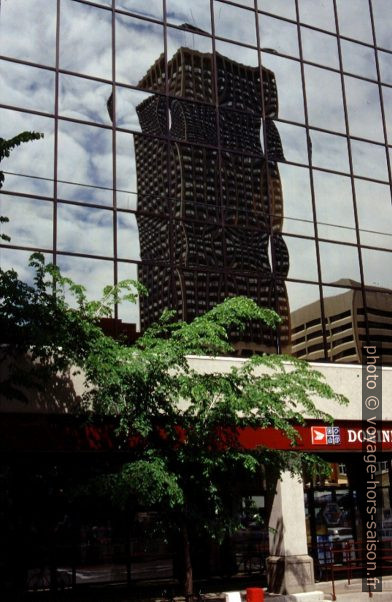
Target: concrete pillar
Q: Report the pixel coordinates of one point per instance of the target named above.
(289, 567)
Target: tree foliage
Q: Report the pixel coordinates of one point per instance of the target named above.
(179, 426)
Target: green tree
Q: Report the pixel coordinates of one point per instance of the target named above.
(180, 427)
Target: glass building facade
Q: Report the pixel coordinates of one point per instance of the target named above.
(209, 149)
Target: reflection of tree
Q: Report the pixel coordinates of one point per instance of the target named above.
(225, 207)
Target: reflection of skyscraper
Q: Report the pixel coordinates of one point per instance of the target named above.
(345, 325)
(224, 207)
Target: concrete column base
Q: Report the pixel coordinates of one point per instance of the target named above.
(290, 574)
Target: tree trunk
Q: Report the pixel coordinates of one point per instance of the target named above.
(188, 573)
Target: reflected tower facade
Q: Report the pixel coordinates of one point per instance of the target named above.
(223, 233)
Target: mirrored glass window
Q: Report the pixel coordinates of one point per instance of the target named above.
(240, 54)
(84, 230)
(358, 59)
(329, 151)
(128, 236)
(297, 202)
(302, 258)
(333, 269)
(354, 20)
(387, 100)
(234, 23)
(152, 8)
(31, 164)
(294, 143)
(374, 213)
(134, 57)
(127, 104)
(318, 13)
(93, 274)
(84, 99)
(319, 47)
(89, 29)
(342, 322)
(26, 87)
(278, 35)
(289, 86)
(305, 321)
(85, 156)
(324, 98)
(37, 21)
(377, 268)
(192, 16)
(383, 23)
(369, 160)
(126, 168)
(334, 206)
(11, 259)
(31, 221)
(127, 311)
(385, 62)
(283, 8)
(364, 111)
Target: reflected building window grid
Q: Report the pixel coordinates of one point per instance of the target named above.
(106, 182)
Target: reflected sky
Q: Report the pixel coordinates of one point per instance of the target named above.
(85, 170)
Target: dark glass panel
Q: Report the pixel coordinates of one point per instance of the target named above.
(324, 99)
(374, 213)
(297, 202)
(26, 87)
(31, 161)
(329, 151)
(369, 160)
(128, 235)
(334, 207)
(359, 59)
(363, 106)
(152, 8)
(31, 221)
(89, 29)
(354, 20)
(84, 99)
(194, 16)
(279, 35)
(85, 157)
(319, 48)
(289, 86)
(235, 23)
(84, 230)
(318, 13)
(306, 333)
(28, 30)
(302, 258)
(333, 269)
(377, 268)
(134, 57)
(383, 23)
(283, 8)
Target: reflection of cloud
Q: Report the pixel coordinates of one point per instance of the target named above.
(369, 160)
(319, 47)
(324, 98)
(279, 35)
(301, 294)
(127, 236)
(27, 87)
(354, 20)
(374, 213)
(334, 267)
(20, 210)
(289, 85)
(235, 23)
(294, 143)
(319, 14)
(383, 22)
(302, 253)
(196, 13)
(84, 230)
(329, 151)
(18, 261)
(374, 264)
(358, 59)
(363, 107)
(37, 21)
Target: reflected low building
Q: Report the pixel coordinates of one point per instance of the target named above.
(345, 325)
(225, 206)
